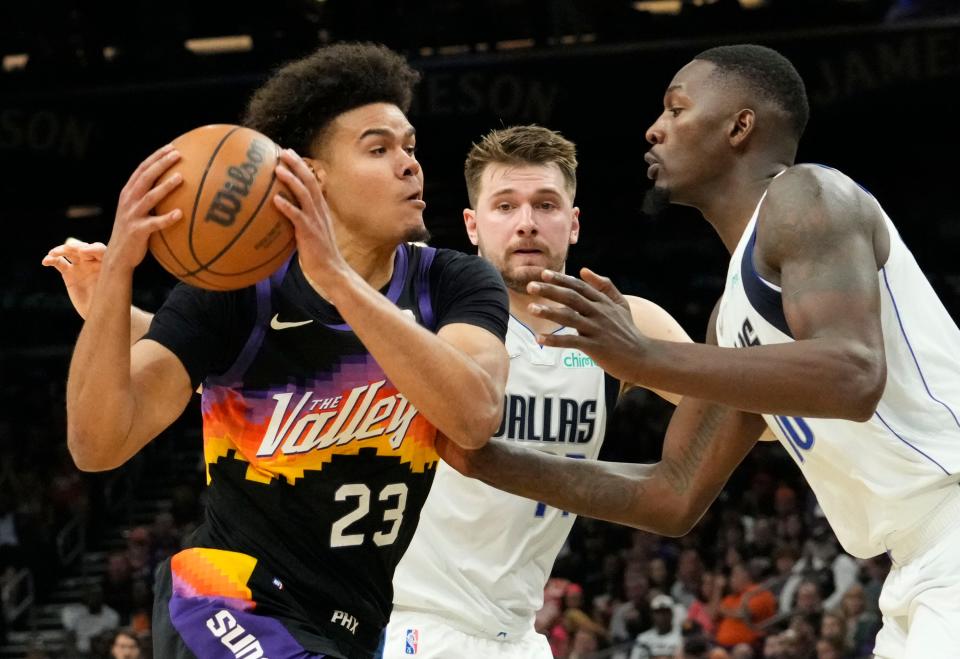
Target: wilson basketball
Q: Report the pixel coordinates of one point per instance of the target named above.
(231, 234)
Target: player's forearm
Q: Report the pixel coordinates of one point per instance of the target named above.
(99, 398)
(450, 388)
(631, 494)
(831, 378)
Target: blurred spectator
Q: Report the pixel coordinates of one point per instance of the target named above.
(584, 645)
(125, 645)
(142, 610)
(877, 569)
(741, 611)
(788, 577)
(117, 584)
(86, 621)
(633, 616)
(827, 649)
(663, 640)
(809, 604)
(686, 589)
(138, 552)
(862, 625)
(800, 638)
(704, 610)
(695, 647)
(742, 651)
(660, 579)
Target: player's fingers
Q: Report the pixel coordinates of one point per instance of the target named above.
(560, 340)
(560, 315)
(161, 222)
(61, 264)
(602, 284)
(300, 193)
(151, 160)
(299, 168)
(578, 285)
(75, 242)
(565, 296)
(148, 177)
(159, 192)
(93, 251)
(289, 210)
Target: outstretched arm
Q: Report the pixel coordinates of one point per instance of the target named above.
(824, 240)
(703, 445)
(79, 264)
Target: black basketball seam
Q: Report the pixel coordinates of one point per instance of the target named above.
(265, 261)
(280, 253)
(238, 234)
(196, 201)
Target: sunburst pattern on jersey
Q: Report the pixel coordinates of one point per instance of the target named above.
(288, 430)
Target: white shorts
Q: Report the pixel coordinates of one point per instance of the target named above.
(416, 635)
(920, 600)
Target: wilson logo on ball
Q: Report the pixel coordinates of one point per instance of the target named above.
(229, 199)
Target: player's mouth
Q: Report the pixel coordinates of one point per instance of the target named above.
(654, 165)
(416, 198)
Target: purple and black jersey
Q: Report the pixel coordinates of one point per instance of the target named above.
(317, 466)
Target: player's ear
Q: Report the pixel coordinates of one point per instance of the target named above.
(575, 226)
(743, 124)
(316, 167)
(470, 221)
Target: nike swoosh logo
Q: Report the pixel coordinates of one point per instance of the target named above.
(278, 324)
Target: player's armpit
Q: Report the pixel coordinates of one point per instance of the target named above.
(653, 321)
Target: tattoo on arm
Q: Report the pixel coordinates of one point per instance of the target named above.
(681, 469)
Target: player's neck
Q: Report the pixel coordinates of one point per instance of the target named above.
(519, 309)
(729, 210)
(372, 262)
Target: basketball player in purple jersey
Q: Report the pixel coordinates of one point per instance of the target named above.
(324, 386)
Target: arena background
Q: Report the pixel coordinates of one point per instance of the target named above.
(87, 89)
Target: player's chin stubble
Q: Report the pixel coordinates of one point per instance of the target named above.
(656, 200)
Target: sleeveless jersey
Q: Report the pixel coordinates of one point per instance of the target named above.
(317, 467)
(882, 476)
(481, 557)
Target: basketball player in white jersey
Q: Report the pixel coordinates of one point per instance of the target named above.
(473, 577)
(853, 362)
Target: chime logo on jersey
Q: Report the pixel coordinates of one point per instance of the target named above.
(319, 423)
(576, 359)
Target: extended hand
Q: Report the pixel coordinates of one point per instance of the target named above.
(595, 308)
(79, 265)
(316, 242)
(135, 220)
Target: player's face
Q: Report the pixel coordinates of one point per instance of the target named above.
(524, 221)
(370, 175)
(690, 145)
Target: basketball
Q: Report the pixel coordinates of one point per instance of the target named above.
(231, 234)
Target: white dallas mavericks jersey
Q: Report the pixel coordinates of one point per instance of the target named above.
(875, 478)
(480, 557)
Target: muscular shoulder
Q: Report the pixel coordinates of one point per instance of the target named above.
(813, 206)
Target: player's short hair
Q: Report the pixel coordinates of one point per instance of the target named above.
(521, 145)
(766, 73)
(301, 99)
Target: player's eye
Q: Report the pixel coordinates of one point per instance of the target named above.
(411, 150)
(675, 111)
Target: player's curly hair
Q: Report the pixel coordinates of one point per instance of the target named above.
(520, 145)
(300, 100)
(768, 74)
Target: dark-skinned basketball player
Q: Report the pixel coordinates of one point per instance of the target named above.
(324, 386)
(827, 332)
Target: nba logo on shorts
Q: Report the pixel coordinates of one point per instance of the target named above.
(412, 641)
